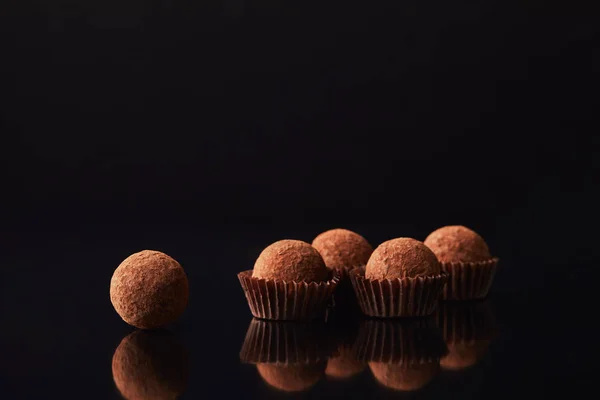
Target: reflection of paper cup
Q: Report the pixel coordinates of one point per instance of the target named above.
(468, 329)
(287, 301)
(469, 281)
(401, 354)
(390, 298)
(289, 356)
(285, 342)
(150, 365)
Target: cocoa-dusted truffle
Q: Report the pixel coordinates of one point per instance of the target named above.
(404, 378)
(291, 261)
(402, 258)
(149, 290)
(457, 243)
(150, 366)
(341, 248)
(291, 377)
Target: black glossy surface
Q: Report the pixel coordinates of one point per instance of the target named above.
(209, 129)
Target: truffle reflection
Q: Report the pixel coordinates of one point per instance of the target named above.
(468, 329)
(288, 356)
(402, 355)
(150, 365)
(342, 363)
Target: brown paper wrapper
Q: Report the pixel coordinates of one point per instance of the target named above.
(469, 281)
(287, 301)
(406, 297)
(406, 342)
(276, 342)
(468, 328)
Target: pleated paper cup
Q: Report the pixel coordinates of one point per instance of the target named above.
(468, 328)
(274, 342)
(469, 281)
(402, 297)
(406, 342)
(287, 301)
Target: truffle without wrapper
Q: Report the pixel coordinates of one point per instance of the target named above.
(149, 290)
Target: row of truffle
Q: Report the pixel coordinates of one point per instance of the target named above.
(402, 277)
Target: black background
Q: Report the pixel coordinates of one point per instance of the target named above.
(209, 129)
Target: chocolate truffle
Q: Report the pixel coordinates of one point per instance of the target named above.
(291, 377)
(457, 243)
(149, 290)
(290, 261)
(341, 248)
(150, 366)
(404, 378)
(402, 258)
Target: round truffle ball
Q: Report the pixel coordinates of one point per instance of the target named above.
(341, 248)
(150, 366)
(404, 378)
(149, 290)
(344, 365)
(291, 261)
(402, 258)
(457, 243)
(292, 377)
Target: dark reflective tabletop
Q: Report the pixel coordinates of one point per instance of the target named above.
(61, 336)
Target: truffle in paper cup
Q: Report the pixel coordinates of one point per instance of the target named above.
(287, 301)
(468, 329)
(403, 278)
(400, 297)
(289, 282)
(343, 249)
(402, 355)
(289, 356)
(466, 257)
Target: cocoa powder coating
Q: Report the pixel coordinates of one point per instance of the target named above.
(292, 377)
(456, 243)
(404, 378)
(341, 248)
(402, 258)
(149, 290)
(291, 261)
